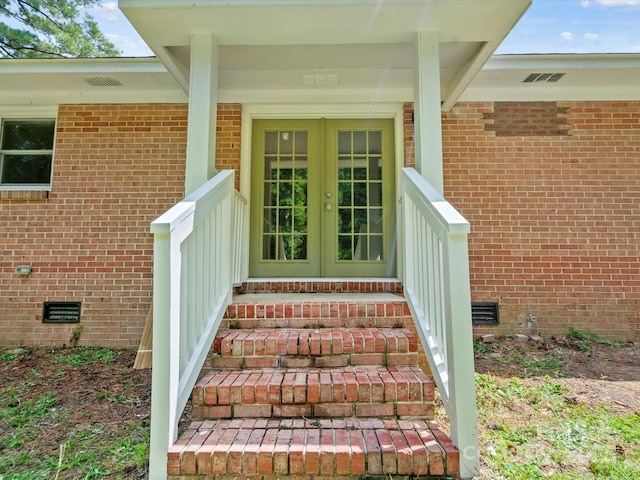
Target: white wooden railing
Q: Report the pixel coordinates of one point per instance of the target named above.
(193, 280)
(436, 283)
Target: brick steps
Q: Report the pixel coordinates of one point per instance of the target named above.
(346, 392)
(319, 348)
(313, 385)
(304, 447)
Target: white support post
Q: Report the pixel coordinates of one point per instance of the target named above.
(427, 110)
(203, 106)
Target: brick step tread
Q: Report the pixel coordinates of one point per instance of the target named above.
(253, 447)
(329, 309)
(314, 342)
(345, 392)
(290, 386)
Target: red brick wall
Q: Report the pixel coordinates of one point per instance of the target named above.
(555, 220)
(228, 128)
(409, 143)
(116, 168)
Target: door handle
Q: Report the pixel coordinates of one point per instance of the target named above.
(328, 206)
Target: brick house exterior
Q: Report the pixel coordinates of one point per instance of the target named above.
(554, 218)
(116, 168)
(551, 203)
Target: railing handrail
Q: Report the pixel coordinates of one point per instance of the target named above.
(447, 217)
(436, 281)
(192, 286)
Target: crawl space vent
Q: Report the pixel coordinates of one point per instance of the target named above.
(484, 313)
(61, 312)
(543, 77)
(102, 81)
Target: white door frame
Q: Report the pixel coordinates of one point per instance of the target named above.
(311, 111)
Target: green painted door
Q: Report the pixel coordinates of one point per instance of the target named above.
(322, 198)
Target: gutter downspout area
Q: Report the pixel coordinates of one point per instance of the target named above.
(202, 117)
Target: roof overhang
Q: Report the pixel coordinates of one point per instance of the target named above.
(90, 80)
(595, 77)
(330, 45)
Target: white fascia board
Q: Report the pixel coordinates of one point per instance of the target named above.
(563, 61)
(57, 98)
(124, 4)
(82, 65)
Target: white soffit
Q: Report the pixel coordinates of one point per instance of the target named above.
(97, 80)
(469, 31)
(586, 77)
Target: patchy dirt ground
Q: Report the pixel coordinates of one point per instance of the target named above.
(94, 393)
(593, 372)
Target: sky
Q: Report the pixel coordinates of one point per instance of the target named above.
(549, 26)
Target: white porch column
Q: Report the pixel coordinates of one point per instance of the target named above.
(427, 110)
(203, 106)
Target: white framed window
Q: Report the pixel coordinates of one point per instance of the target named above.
(26, 153)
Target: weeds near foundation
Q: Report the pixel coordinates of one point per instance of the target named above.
(586, 338)
(75, 336)
(85, 356)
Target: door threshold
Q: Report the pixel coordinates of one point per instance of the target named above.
(322, 279)
(321, 285)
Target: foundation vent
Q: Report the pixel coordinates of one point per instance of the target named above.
(61, 312)
(484, 313)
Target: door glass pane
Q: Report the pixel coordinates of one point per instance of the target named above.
(360, 211)
(375, 194)
(285, 210)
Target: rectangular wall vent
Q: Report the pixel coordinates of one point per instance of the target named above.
(543, 77)
(102, 81)
(484, 313)
(61, 312)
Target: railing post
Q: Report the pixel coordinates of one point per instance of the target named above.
(462, 391)
(160, 405)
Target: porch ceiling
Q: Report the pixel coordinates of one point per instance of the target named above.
(339, 45)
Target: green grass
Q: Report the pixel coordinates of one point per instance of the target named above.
(85, 356)
(529, 429)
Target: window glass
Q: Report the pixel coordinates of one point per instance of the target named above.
(27, 152)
